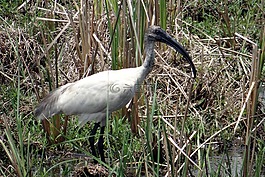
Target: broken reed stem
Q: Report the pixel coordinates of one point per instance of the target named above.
(251, 111)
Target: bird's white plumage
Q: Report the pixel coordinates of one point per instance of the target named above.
(90, 97)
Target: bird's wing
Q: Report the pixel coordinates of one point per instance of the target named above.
(89, 97)
(48, 106)
(113, 96)
(83, 99)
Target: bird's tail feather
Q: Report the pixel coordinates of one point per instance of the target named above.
(48, 106)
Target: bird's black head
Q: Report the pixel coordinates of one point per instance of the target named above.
(157, 34)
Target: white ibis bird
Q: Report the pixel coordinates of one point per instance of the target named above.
(95, 97)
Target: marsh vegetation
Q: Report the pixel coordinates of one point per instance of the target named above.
(175, 126)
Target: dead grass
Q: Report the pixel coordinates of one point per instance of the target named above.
(77, 44)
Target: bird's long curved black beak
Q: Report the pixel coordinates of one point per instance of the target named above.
(179, 48)
(162, 36)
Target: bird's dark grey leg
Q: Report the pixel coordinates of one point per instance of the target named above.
(101, 144)
(92, 139)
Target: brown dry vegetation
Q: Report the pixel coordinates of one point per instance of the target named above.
(59, 45)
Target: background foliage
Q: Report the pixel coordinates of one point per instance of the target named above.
(182, 127)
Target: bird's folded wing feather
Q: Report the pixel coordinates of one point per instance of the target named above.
(91, 95)
(94, 98)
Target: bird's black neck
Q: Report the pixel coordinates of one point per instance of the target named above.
(149, 57)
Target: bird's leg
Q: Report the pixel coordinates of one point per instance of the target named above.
(92, 139)
(101, 145)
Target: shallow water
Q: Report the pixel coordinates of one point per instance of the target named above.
(230, 162)
(227, 163)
